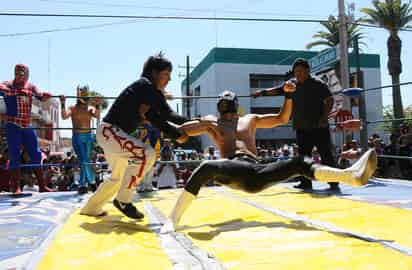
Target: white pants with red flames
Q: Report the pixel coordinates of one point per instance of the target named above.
(129, 159)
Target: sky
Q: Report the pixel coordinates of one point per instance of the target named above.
(110, 58)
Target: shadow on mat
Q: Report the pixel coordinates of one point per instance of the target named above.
(114, 224)
(239, 224)
(275, 194)
(372, 184)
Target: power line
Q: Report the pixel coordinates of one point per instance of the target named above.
(120, 5)
(248, 96)
(97, 16)
(405, 29)
(142, 17)
(85, 27)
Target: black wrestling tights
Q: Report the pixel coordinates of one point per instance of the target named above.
(247, 176)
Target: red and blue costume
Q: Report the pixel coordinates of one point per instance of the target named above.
(18, 95)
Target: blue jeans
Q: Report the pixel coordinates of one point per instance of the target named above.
(83, 146)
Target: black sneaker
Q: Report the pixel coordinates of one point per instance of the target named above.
(82, 190)
(333, 188)
(304, 185)
(128, 209)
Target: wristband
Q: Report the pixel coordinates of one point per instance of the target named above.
(288, 95)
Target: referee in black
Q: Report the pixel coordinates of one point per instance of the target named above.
(312, 103)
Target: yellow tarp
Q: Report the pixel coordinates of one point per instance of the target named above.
(378, 221)
(243, 237)
(112, 242)
(240, 236)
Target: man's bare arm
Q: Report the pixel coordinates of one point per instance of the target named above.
(65, 113)
(351, 154)
(95, 112)
(274, 120)
(197, 127)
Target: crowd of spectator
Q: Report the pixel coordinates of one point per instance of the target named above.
(62, 172)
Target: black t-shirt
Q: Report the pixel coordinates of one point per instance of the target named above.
(308, 103)
(124, 112)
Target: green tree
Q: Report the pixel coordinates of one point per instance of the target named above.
(330, 37)
(388, 115)
(103, 105)
(392, 15)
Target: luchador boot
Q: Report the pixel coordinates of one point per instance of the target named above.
(40, 179)
(356, 175)
(183, 202)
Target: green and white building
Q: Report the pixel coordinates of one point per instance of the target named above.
(246, 70)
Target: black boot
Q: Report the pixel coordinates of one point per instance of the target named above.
(304, 184)
(333, 187)
(82, 190)
(128, 209)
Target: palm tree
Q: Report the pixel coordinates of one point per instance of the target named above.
(392, 15)
(330, 38)
(103, 105)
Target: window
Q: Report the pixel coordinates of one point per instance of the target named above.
(196, 101)
(265, 80)
(264, 110)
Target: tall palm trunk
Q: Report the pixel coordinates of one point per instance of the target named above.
(395, 69)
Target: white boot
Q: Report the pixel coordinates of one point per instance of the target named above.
(356, 175)
(180, 207)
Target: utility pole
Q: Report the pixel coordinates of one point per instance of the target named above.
(343, 46)
(186, 103)
(188, 86)
(362, 103)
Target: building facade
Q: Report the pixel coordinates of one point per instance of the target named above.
(246, 70)
(45, 116)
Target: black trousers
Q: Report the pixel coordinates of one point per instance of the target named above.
(247, 174)
(319, 137)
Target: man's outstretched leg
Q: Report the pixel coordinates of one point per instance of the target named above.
(254, 178)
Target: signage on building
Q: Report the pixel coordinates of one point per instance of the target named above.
(324, 59)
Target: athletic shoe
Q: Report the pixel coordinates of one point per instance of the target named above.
(128, 209)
